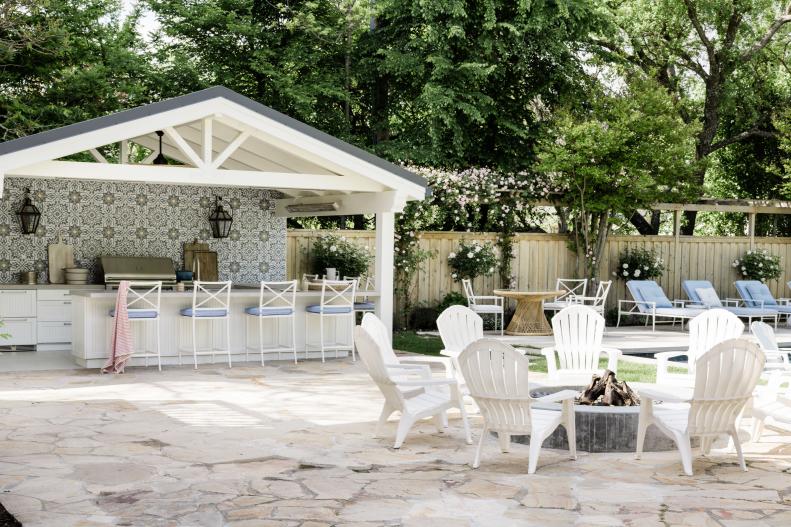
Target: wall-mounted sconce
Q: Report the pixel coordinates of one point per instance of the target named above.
(29, 215)
(312, 207)
(220, 220)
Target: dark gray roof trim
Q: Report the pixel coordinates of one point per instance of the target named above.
(147, 110)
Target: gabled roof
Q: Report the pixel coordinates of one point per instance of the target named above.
(286, 153)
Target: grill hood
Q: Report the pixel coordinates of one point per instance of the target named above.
(117, 268)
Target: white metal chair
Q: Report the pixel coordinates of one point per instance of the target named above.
(484, 305)
(211, 302)
(392, 380)
(578, 332)
(364, 283)
(705, 330)
(597, 301)
(143, 305)
(571, 289)
(497, 378)
(337, 305)
(276, 303)
(725, 380)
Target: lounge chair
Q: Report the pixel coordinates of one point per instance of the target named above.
(651, 302)
(757, 294)
(701, 292)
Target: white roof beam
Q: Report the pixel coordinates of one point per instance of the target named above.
(182, 145)
(98, 155)
(230, 149)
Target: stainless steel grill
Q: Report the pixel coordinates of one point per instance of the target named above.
(136, 268)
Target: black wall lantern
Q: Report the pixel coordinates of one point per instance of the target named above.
(160, 159)
(220, 220)
(29, 215)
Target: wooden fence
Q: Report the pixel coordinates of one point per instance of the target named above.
(539, 259)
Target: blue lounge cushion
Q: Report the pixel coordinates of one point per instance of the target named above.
(330, 310)
(203, 312)
(691, 287)
(364, 306)
(143, 313)
(651, 292)
(760, 293)
(268, 311)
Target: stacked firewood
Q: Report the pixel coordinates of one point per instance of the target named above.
(606, 390)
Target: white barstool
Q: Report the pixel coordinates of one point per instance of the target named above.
(337, 304)
(211, 301)
(142, 305)
(363, 284)
(277, 301)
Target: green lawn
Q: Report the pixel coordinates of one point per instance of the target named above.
(426, 345)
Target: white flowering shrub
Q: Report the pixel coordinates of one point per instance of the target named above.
(758, 265)
(332, 250)
(639, 264)
(472, 260)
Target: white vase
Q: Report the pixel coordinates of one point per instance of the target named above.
(332, 273)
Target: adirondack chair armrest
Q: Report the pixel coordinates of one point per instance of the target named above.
(563, 395)
(552, 367)
(427, 361)
(663, 359)
(430, 382)
(656, 394)
(613, 354)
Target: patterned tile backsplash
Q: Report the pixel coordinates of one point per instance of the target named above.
(136, 219)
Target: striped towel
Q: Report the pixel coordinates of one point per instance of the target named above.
(122, 347)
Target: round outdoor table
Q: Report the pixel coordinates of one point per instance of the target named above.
(529, 316)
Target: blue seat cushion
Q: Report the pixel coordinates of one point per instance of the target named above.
(203, 312)
(760, 293)
(364, 306)
(651, 292)
(330, 310)
(143, 313)
(268, 311)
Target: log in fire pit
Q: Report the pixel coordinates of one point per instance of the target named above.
(606, 390)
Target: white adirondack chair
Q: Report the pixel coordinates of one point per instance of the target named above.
(459, 326)
(497, 377)
(578, 333)
(392, 381)
(771, 400)
(705, 331)
(725, 379)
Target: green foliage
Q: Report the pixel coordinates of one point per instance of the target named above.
(409, 256)
(423, 318)
(639, 264)
(472, 260)
(758, 265)
(348, 258)
(454, 298)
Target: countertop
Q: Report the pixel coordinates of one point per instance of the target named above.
(243, 292)
(70, 287)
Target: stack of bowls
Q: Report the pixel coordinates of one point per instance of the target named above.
(76, 275)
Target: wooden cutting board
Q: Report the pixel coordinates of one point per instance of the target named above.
(61, 255)
(197, 253)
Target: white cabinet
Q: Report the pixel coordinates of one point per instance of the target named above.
(18, 303)
(21, 331)
(54, 319)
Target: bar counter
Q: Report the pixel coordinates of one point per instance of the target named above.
(92, 327)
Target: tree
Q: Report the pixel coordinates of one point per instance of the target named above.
(698, 46)
(623, 152)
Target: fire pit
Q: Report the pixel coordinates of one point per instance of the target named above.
(602, 428)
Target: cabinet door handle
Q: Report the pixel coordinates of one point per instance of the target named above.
(67, 323)
(67, 302)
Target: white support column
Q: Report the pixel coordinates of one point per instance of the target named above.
(207, 141)
(384, 268)
(123, 155)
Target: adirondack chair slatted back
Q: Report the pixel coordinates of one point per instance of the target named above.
(496, 376)
(725, 380)
(378, 332)
(571, 287)
(709, 329)
(767, 341)
(578, 335)
(144, 296)
(371, 354)
(458, 327)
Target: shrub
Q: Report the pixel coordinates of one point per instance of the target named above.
(423, 319)
(639, 264)
(473, 260)
(332, 250)
(758, 265)
(454, 298)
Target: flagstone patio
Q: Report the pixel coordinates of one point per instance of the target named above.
(291, 445)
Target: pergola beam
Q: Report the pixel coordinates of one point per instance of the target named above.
(184, 147)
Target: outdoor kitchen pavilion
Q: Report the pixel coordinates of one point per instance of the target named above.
(221, 138)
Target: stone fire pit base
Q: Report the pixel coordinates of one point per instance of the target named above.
(601, 428)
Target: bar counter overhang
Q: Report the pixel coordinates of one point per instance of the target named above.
(92, 327)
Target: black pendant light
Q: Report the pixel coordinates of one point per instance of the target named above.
(160, 159)
(29, 215)
(220, 220)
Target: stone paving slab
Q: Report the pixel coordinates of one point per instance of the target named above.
(291, 445)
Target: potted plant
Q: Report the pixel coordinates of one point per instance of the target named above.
(331, 251)
(758, 265)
